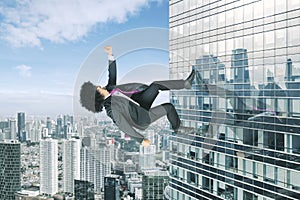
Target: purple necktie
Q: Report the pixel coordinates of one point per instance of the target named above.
(123, 92)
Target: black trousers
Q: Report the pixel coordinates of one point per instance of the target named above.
(147, 97)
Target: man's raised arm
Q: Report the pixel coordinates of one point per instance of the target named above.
(112, 68)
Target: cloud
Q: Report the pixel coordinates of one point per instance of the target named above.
(24, 70)
(51, 93)
(29, 22)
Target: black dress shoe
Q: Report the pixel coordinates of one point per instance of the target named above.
(189, 81)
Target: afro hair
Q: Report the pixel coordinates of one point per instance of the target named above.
(90, 98)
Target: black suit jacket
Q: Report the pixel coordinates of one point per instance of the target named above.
(125, 113)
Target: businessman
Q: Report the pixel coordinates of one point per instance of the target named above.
(130, 105)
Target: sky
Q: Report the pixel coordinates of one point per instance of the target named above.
(43, 45)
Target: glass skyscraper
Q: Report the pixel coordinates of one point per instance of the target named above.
(10, 169)
(154, 183)
(245, 101)
(111, 187)
(21, 126)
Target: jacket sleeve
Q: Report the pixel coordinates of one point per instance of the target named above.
(124, 126)
(112, 73)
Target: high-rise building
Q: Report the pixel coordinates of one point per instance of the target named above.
(36, 132)
(111, 187)
(154, 184)
(29, 130)
(68, 122)
(71, 163)
(164, 141)
(21, 125)
(80, 129)
(239, 63)
(45, 132)
(10, 169)
(147, 157)
(84, 190)
(4, 124)
(104, 158)
(49, 125)
(72, 120)
(96, 158)
(241, 81)
(48, 166)
(87, 162)
(244, 104)
(13, 129)
(66, 119)
(59, 125)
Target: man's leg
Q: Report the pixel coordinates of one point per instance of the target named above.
(165, 109)
(146, 98)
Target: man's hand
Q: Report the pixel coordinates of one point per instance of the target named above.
(146, 142)
(108, 50)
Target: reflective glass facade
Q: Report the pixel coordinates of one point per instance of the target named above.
(245, 101)
(10, 169)
(154, 183)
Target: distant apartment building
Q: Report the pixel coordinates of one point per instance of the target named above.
(71, 163)
(36, 132)
(48, 167)
(13, 129)
(96, 161)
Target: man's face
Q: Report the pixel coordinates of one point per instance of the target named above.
(102, 90)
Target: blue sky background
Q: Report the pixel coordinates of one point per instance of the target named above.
(44, 43)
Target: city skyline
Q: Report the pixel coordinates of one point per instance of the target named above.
(49, 165)
(241, 115)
